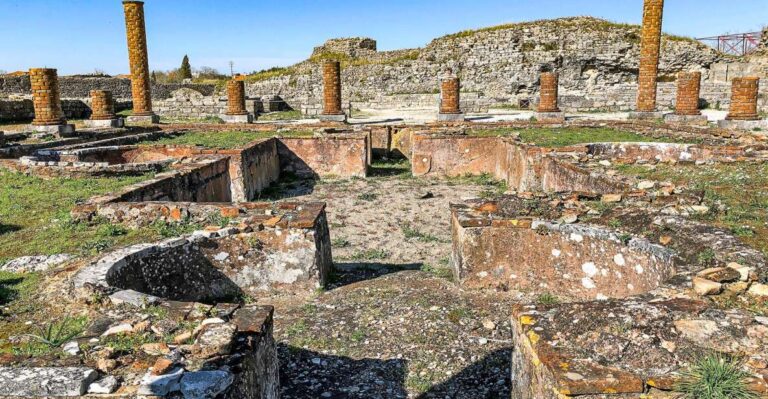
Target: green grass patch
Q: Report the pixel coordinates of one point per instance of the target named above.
(563, 137)
(716, 376)
(35, 220)
(741, 187)
(411, 232)
(282, 116)
(224, 140)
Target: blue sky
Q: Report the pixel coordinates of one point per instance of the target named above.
(79, 36)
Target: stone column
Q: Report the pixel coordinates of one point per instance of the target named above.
(744, 99)
(548, 111)
(688, 90)
(141, 89)
(450, 100)
(650, 49)
(743, 113)
(102, 105)
(687, 103)
(49, 117)
(236, 112)
(103, 110)
(332, 92)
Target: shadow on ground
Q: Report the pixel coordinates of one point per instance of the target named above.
(306, 374)
(346, 273)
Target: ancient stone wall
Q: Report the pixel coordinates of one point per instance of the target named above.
(81, 86)
(339, 155)
(596, 61)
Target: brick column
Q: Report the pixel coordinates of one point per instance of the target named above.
(548, 93)
(650, 48)
(332, 88)
(744, 99)
(450, 96)
(688, 91)
(45, 97)
(137, 55)
(102, 105)
(236, 97)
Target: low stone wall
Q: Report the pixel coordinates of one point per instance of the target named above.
(204, 180)
(254, 169)
(287, 248)
(671, 152)
(340, 155)
(524, 168)
(77, 170)
(495, 248)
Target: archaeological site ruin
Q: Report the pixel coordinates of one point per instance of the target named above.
(567, 208)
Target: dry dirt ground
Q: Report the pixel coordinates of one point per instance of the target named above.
(392, 324)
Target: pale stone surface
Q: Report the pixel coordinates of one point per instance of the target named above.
(332, 118)
(160, 385)
(132, 297)
(61, 130)
(139, 120)
(45, 381)
(237, 119)
(450, 117)
(105, 385)
(758, 289)
(646, 115)
(205, 384)
(549, 116)
(743, 125)
(27, 264)
(697, 120)
(105, 123)
(705, 287)
(124, 328)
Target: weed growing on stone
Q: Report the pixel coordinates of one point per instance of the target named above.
(371, 254)
(340, 242)
(716, 376)
(367, 197)
(547, 299)
(440, 272)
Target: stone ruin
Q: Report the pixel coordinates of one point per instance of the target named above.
(634, 312)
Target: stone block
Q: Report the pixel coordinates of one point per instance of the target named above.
(645, 116)
(550, 116)
(743, 125)
(143, 119)
(450, 117)
(105, 123)
(62, 130)
(29, 382)
(697, 120)
(333, 118)
(237, 119)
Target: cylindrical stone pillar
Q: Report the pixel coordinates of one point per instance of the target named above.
(450, 96)
(102, 106)
(688, 90)
(45, 97)
(650, 48)
(236, 97)
(332, 88)
(548, 93)
(744, 99)
(137, 55)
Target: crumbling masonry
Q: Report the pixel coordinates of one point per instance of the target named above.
(450, 99)
(102, 105)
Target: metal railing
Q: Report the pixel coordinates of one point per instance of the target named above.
(739, 44)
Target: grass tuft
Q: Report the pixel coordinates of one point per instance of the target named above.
(716, 376)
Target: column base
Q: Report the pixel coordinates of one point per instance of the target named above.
(697, 120)
(62, 130)
(733, 124)
(645, 116)
(333, 118)
(450, 117)
(143, 119)
(237, 119)
(558, 117)
(105, 123)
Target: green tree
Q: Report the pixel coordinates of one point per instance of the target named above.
(186, 70)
